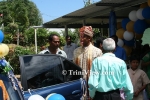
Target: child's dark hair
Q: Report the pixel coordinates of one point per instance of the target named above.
(134, 57)
(99, 41)
(115, 37)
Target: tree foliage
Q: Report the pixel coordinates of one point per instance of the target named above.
(17, 17)
(19, 14)
(42, 35)
(13, 56)
(71, 33)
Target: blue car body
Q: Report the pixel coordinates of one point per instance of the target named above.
(35, 67)
(47, 68)
(70, 90)
(12, 86)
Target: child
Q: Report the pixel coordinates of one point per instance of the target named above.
(138, 77)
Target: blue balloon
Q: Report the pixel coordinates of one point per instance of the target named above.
(1, 36)
(130, 43)
(140, 26)
(124, 23)
(146, 13)
(55, 97)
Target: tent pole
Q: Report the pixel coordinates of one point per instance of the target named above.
(66, 30)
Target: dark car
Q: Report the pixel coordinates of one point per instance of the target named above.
(46, 74)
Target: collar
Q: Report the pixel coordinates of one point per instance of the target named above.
(109, 54)
(47, 50)
(134, 70)
(69, 44)
(87, 46)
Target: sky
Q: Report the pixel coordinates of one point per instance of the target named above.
(52, 9)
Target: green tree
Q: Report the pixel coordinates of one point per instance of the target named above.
(73, 34)
(13, 56)
(42, 35)
(87, 3)
(8, 39)
(19, 14)
(35, 17)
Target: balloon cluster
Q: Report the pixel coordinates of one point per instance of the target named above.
(52, 96)
(133, 27)
(4, 49)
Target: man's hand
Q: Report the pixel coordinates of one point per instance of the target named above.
(136, 93)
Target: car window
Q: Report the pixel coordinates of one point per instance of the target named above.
(51, 76)
(71, 70)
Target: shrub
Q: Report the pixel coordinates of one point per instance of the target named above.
(14, 53)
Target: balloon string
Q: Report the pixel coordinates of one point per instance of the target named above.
(33, 92)
(29, 91)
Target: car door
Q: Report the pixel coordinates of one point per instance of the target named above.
(46, 74)
(10, 85)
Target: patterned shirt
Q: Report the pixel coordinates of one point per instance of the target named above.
(59, 52)
(83, 56)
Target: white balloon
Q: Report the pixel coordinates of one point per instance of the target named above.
(120, 42)
(128, 36)
(36, 97)
(139, 14)
(132, 16)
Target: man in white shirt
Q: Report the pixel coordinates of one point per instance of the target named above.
(69, 47)
(54, 42)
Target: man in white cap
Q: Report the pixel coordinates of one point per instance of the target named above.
(86, 53)
(109, 75)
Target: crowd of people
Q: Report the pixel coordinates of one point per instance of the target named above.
(114, 81)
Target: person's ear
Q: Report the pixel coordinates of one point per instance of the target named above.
(114, 49)
(101, 45)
